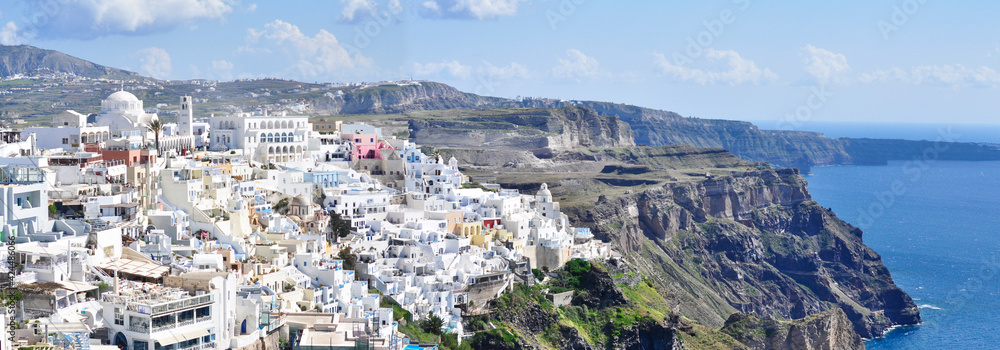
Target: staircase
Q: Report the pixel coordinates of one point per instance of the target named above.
(80, 341)
(110, 281)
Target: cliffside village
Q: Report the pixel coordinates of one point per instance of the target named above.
(216, 233)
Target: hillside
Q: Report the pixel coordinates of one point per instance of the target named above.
(24, 59)
(652, 127)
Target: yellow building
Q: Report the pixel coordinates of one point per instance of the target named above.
(468, 229)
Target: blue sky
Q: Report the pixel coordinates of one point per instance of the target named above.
(789, 63)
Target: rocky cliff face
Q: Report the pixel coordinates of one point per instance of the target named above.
(829, 330)
(653, 127)
(552, 129)
(754, 243)
(392, 99)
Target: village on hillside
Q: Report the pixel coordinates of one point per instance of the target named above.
(253, 231)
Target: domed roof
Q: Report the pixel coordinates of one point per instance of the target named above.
(300, 201)
(122, 96)
(544, 192)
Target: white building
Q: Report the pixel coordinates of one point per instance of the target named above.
(264, 139)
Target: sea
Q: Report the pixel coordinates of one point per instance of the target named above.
(936, 225)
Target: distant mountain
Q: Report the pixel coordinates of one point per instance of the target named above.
(24, 59)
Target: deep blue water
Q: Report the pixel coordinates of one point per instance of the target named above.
(910, 131)
(936, 227)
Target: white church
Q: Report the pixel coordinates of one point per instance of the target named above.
(121, 121)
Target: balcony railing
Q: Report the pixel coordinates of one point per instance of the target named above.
(139, 328)
(164, 327)
(155, 309)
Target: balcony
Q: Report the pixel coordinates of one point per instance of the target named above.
(165, 327)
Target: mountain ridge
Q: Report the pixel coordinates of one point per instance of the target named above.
(26, 59)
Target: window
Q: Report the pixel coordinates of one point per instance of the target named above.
(119, 317)
(65, 140)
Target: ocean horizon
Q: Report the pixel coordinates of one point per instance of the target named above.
(957, 132)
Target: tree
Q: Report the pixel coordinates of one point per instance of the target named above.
(432, 325)
(156, 126)
(350, 260)
(338, 226)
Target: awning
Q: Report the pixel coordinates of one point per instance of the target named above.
(135, 267)
(35, 249)
(171, 338)
(75, 287)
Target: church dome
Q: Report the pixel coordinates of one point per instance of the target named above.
(544, 192)
(122, 96)
(300, 201)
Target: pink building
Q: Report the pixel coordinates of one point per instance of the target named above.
(366, 146)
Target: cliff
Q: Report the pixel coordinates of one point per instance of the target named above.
(829, 330)
(554, 129)
(754, 243)
(653, 127)
(391, 99)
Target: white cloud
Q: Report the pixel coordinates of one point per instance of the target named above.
(956, 75)
(512, 70)
(576, 66)
(311, 55)
(450, 68)
(727, 67)
(948, 75)
(222, 65)
(478, 9)
(223, 69)
(457, 70)
(87, 19)
(155, 63)
(353, 7)
(9, 34)
(431, 5)
(395, 6)
(885, 75)
(250, 8)
(825, 66)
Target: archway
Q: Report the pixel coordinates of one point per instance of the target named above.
(121, 341)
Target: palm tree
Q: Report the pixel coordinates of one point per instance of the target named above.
(156, 126)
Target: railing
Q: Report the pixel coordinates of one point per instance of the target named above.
(139, 329)
(26, 278)
(60, 265)
(202, 319)
(161, 308)
(164, 327)
(185, 323)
